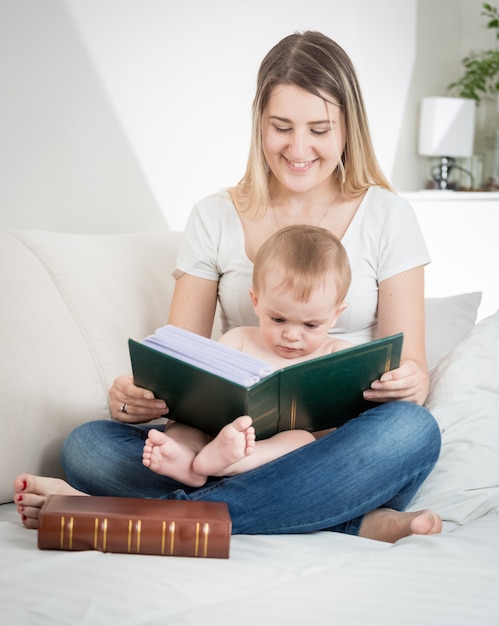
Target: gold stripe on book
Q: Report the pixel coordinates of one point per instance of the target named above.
(388, 358)
(104, 535)
(292, 421)
(196, 544)
(163, 537)
(172, 537)
(71, 527)
(171, 531)
(139, 531)
(61, 534)
(96, 532)
(206, 532)
(263, 416)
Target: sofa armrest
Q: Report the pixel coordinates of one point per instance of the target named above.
(69, 305)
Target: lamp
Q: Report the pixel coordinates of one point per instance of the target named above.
(446, 130)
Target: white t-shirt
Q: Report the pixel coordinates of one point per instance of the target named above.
(382, 240)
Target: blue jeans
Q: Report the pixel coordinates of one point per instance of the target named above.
(377, 459)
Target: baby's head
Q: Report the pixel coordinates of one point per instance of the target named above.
(300, 279)
(308, 257)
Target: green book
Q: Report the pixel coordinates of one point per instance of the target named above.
(324, 392)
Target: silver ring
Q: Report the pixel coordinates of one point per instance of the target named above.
(123, 407)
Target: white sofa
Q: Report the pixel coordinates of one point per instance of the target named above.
(69, 304)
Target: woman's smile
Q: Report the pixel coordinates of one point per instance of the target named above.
(300, 166)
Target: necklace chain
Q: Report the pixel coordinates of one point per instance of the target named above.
(321, 218)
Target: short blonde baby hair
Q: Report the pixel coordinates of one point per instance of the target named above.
(308, 257)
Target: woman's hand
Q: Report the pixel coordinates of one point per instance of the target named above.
(408, 382)
(133, 405)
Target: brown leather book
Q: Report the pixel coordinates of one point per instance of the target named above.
(135, 526)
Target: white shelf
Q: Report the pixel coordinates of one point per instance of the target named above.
(436, 195)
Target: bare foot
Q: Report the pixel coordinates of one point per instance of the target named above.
(32, 491)
(166, 456)
(389, 525)
(232, 444)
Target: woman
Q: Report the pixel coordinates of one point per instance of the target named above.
(311, 161)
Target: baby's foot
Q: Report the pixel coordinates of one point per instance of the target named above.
(389, 525)
(234, 442)
(169, 457)
(31, 492)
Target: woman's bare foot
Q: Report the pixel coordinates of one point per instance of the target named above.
(32, 491)
(167, 456)
(232, 444)
(389, 525)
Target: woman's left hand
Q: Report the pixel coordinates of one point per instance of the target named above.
(408, 382)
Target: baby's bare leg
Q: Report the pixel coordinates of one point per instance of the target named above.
(232, 444)
(172, 453)
(232, 452)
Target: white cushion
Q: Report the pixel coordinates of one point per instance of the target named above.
(448, 320)
(464, 398)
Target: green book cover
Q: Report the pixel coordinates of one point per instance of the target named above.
(313, 395)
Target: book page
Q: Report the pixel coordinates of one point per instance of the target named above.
(209, 355)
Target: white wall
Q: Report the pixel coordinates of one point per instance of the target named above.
(119, 114)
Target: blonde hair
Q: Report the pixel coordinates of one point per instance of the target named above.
(317, 64)
(308, 256)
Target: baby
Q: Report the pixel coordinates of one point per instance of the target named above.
(301, 276)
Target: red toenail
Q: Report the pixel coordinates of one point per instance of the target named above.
(25, 484)
(19, 498)
(24, 518)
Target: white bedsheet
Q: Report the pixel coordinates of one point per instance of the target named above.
(322, 578)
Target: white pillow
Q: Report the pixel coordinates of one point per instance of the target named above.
(464, 398)
(448, 320)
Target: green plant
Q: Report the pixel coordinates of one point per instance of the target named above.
(481, 74)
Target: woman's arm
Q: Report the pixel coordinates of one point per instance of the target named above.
(401, 309)
(193, 304)
(193, 307)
